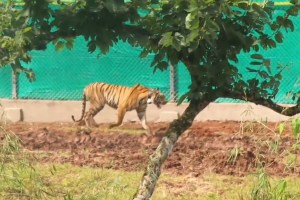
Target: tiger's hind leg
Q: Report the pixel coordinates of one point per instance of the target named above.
(81, 123)
(121, 114)
(90, 114)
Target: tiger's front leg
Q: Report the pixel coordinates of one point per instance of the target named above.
(142, 116)
(121, 114)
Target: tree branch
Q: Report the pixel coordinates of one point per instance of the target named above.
(284, 110)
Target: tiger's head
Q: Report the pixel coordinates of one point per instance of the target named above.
(157, 98)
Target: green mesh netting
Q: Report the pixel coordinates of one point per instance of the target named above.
(5, 82)
(63, 75)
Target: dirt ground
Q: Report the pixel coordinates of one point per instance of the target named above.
(231, 148)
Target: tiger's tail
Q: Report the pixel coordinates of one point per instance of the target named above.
(83, 108)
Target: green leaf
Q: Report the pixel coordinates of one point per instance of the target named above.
(255, 63)
(267, 63)
(258, 9)
(274, 26)
(176, 44)
(288, 24)
(104, 48)
(193, 46)
(281, 128)
(166, 40)
(178, 40)
(192, 21)
(194, 34)
(279, 37)
(257, 56)
(281, 187)
(271, 43)
(213, 25)
(188, 20)
(270, 4)
(27, 29)
(91, 46)
(157, 58)
(296, 126)
(252, 70)
(163, 65)
(26, 58)
(263, 74)
(182, 98)
(59, 46)
(294, 1)
(144, 53)
(173, 57)
(69, 43)
(30, 75)
(269, 9)
(293, 11)
(243, 5)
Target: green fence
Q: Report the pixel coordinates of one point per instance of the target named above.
(63, 75)
(5, 82)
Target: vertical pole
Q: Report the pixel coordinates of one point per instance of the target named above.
(14, 85)
(173, 89)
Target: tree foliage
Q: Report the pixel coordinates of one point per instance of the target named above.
(14, 37)
(208, 36)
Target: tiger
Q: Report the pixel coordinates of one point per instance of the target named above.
(121, 98)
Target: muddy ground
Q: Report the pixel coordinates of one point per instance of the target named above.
(232, 148)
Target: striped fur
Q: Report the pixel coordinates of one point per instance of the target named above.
(121, 98)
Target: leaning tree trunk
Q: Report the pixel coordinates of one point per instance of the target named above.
(164, 149)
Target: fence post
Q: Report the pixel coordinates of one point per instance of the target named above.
(15, 85)
(173, 80)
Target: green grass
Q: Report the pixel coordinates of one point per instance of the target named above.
(45, 181)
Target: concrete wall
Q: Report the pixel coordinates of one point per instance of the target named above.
(61, 111)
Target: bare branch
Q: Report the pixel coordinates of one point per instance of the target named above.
(284, 110)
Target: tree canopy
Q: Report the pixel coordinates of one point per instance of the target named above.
(206, 35)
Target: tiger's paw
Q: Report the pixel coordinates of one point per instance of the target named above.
(111, 126)
(85, 130)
